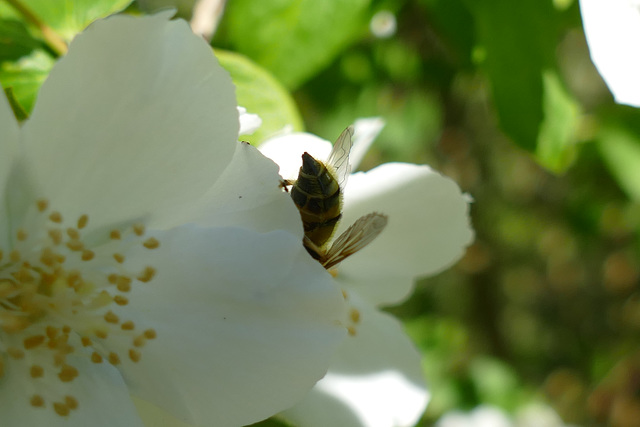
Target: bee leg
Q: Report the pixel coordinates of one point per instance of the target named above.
(285, 184)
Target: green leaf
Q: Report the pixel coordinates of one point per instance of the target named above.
(517, 41)
(25, 77)
(294, 39)
(69, 17)
(260, 93)
(556, 148)
(15, 40)
(620, 149)
(454, 24)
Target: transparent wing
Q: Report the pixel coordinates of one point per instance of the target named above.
(339, 157)
(357, 236)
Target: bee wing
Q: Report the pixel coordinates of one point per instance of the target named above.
(339, 157)
(357, 236)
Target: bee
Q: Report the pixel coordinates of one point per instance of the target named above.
(317, 193)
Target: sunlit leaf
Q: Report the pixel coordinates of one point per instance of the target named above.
(294, 39)
(556, 147)
(260, 93)
(15, 40)
(25, 77)
(69, 17)
(620, 149)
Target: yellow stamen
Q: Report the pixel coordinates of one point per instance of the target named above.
(138, 229)
(83, 221)
(36, 401)
(151, 243)
(56, 217)
(36, 371)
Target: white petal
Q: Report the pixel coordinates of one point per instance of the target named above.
(365, 132)
(249, 123)
(154, 416)
(246, 323)
(612, 29)
(375, 380)
(247, 194)
(287, 150)
(9, 144)
(428, 229)
(103, 398)
(138, 117)
(482, 416)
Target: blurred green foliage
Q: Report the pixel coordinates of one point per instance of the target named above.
(502, 97)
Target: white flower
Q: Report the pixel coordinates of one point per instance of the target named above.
(612, 28)
(375, 379)
(531, 415)
(482, 416)
(249, 123)
(147, 256)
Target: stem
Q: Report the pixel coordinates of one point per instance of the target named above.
(51, 38)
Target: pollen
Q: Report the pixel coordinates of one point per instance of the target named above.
(72, 402)
(148, 274)
(110, 317)
(353, 319)
(151, 243)
(42, 205)
(36, 371)
(15, 353)
(83, 221)
(127, 326)
(75, 245)
(123, 284)
(67, 373)
(120, 300)
(73, 233)
(61, 409)
(21, 235)
(34, 341)
(61, 299)
(14, 256)
(139, 341)
(56, 236)
(134, 355)
(55, 217)
(138, 229)
(150, 334)
(36, 401)
(354, 315)
(114, 359)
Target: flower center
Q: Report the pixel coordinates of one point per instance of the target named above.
(59, 295)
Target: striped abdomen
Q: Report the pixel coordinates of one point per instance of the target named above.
(317, 195)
